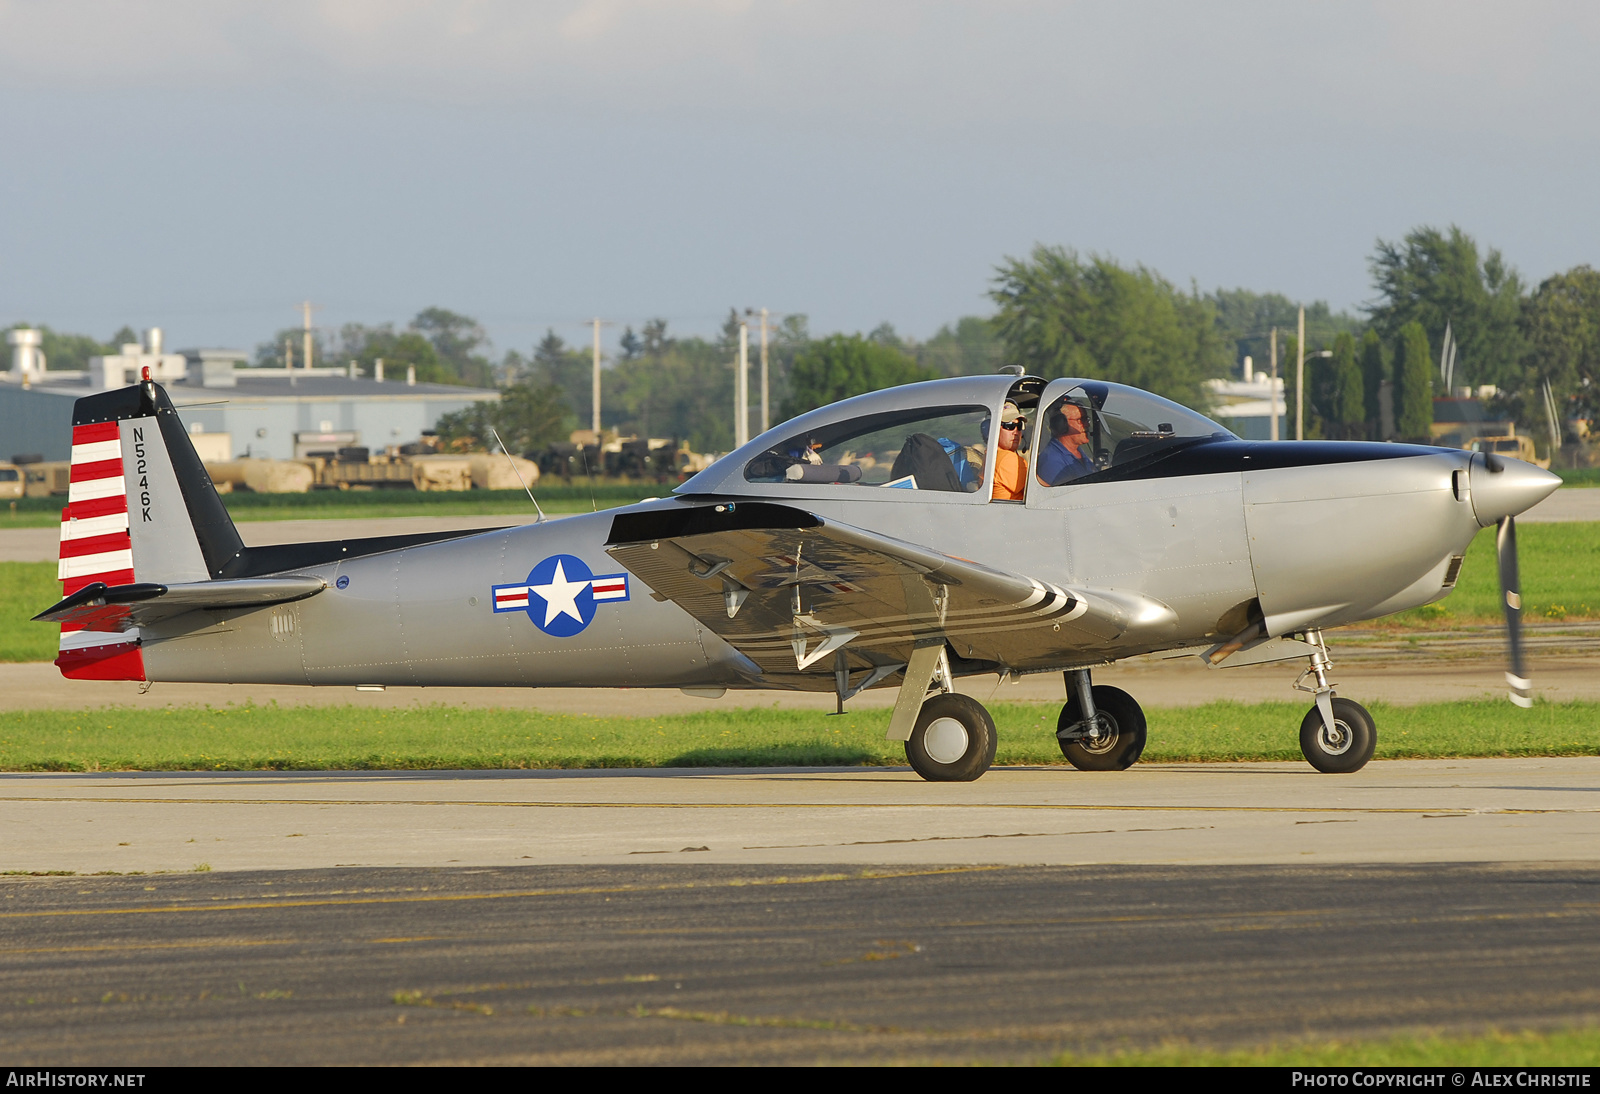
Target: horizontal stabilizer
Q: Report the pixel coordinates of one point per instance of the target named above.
(102, 607)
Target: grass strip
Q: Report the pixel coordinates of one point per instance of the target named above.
(349, 738)
(1528, 1048)
(26, 589)
(1560, 569)
(556, 497)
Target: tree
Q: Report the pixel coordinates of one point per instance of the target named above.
(1435, 277)
(685, 391)
(1347, 408)
(843, 365)
(1561, 322)
(655, 340)
(884, 334)
(367, 345)
(570, 370)
(527, 417)
(632, 345)
(1063, 316)
(969, 348)
(1413, 376)
(455, 339)
(1374, 374)
(729, 343)
(1246, 319)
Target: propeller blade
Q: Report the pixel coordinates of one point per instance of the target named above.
(1505, 544)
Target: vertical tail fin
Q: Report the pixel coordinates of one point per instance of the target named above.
(140, 508)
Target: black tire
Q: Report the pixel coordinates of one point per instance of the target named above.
(1352, 746)
(954, 740)
(1122, 732)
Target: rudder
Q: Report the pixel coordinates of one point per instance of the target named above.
(140, 508)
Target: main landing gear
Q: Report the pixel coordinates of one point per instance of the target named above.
(948, 737)
(1337, 736)
(1101, 728)
(951, 738)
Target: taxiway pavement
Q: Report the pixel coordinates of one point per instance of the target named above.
(1397, 811)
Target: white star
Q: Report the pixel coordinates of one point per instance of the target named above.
(560, 596)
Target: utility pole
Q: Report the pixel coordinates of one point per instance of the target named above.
(595, 417)
(766, 380)
(1300, 380)
(305, 309)
(1272, 385)
(741, 388)
(766, 413)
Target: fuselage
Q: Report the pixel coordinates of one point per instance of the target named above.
(1310, 538)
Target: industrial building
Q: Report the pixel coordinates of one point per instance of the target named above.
(275, 413)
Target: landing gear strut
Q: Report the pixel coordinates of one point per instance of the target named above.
(948, 737)
(1101, 728)
(1337, 736)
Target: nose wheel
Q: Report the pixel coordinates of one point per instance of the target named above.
(1337, 736)
(1342, 747)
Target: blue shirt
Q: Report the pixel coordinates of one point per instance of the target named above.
(1058, 466)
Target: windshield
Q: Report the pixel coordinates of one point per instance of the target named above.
(925, 448)
(1097, 426)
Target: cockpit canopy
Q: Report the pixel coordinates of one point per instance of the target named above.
(1092, 426)
(920, 448)
(938, 436)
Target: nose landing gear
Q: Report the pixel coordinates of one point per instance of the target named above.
(1337, 736)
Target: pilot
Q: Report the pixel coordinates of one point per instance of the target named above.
(1010, 469)
(1067, 456)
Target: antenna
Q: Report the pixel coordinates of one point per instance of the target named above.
(518, 473)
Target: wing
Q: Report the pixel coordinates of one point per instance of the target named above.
(787, 588)
(99, 607)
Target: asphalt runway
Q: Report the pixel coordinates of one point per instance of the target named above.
(706, 964)
(789, 915)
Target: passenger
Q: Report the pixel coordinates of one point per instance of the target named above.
(1067, 456)
(1010, 469)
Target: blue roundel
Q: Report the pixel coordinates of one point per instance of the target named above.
(560, 596)
(343, 582)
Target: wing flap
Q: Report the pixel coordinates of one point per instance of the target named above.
(113, 608)
(786, 588)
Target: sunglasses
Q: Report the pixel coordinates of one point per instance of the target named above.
(1011, 425)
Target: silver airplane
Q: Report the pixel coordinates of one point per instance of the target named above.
(860, 545)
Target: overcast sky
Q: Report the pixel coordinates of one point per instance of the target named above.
(204, 166)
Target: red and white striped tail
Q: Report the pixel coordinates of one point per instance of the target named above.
(96, 546)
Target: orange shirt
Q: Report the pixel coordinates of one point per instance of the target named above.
(1010, 471)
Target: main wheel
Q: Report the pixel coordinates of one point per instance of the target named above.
(953, 741)
(1122, 732)
(1348, 747)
